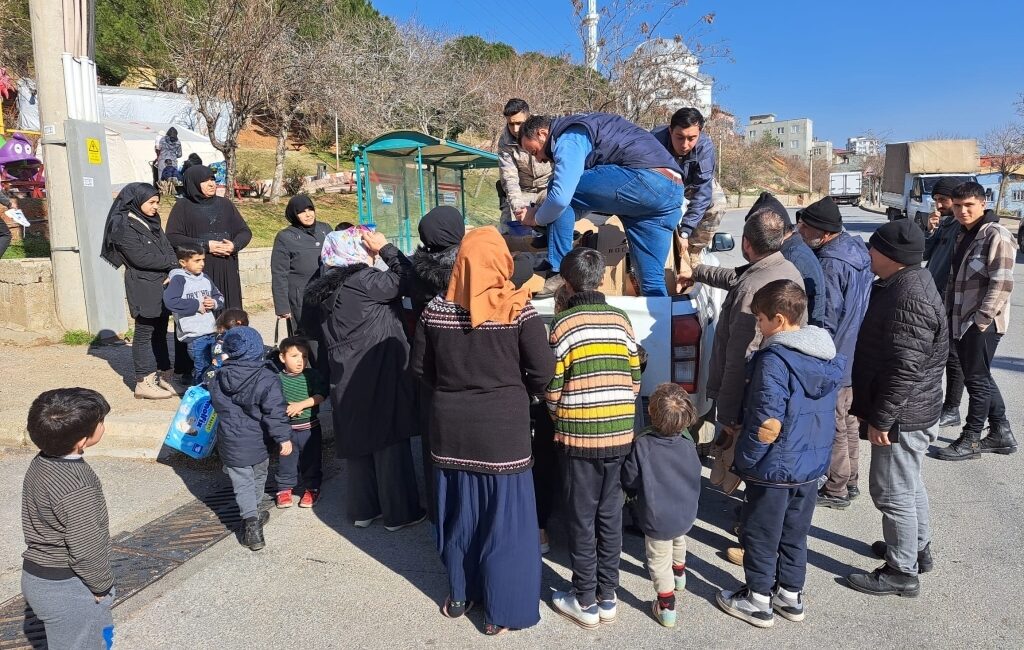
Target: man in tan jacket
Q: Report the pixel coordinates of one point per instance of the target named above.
(524, 178)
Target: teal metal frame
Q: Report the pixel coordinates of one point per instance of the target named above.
(430, 153)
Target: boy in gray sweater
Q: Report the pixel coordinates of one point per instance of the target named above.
(192, 298)
(67, 578)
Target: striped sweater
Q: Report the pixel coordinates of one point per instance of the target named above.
(592, 397)
(64, 519)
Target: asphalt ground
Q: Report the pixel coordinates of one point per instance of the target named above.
(321, 583)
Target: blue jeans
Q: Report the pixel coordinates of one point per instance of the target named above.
(649, 205)
(201, 351)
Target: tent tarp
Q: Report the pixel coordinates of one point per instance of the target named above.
(128, 104)
(927, 157)
(130, 149)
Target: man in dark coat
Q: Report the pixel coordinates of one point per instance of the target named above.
(847, 269)
(939, 243)
(372, 394)
(802, 257)
(897, 394)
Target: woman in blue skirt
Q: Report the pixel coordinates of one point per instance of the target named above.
(483, 349)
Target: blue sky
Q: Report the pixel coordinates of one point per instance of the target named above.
(906, 69)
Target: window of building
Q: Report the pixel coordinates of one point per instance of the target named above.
(793, 144)
(782, 145)
(795, 128)
(781, 130)
(1017, 195)
(753, 134)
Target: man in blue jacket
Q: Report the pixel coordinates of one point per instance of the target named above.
(847, 269)
(605, 163)
(685, 139)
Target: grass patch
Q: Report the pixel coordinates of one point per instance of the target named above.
(264, 160)
(32, 246)
(77, 337)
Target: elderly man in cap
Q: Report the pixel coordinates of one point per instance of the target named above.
(941, 231)
(897, 395)
(847, 269)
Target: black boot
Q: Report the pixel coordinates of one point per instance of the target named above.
(925, 562)
(966, 447)
(885, 581)
(950, 416)
(253, 537)
(999, 440)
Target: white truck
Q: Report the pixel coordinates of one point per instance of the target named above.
(678, 333)
(845, 187)
(913, 168)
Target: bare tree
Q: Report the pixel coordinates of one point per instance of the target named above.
(226, 52)
(1004, 146)
(746, 165)
(652, 72)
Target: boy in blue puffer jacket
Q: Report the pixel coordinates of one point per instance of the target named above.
(784, 445)
(247, 396)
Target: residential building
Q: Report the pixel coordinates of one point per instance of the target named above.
(793, 137)
(1013, 191)
(864, 146)
(822, 150)
(676, 80)
(724, 116)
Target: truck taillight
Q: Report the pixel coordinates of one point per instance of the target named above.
(686, 351)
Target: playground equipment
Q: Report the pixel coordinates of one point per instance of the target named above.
(21, 173)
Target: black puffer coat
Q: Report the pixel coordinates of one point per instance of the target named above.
(433, 273)
(367, 352)
(901, 353)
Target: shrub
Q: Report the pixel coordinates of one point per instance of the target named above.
(247, 175)
(294, 179)
(77, 337)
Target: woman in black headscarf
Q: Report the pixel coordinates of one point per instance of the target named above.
(441, 231)
(133, 238)
(296, 257)
(214, 224)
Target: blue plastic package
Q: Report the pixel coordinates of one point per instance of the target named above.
(193, 429)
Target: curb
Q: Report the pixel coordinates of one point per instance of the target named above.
(871, 208)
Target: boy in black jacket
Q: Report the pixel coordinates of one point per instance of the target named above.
(246, 394)
(663, 470)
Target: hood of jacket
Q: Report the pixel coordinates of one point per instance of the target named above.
(811, 356)
(322, 289)
(435, 269)
(849, 249)
(235, 377)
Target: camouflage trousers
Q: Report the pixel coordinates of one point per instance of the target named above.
(702, 235)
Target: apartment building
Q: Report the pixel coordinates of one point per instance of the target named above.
(793, 137)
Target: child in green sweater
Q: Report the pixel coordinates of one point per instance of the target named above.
(304, 390)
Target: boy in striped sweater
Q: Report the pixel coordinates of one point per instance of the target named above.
(305, 390)
(592, 400)
(67, 577)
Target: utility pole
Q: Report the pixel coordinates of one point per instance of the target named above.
(591, 49)
(810, 168)
(49, 43)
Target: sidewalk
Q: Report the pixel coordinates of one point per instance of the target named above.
(135, 428)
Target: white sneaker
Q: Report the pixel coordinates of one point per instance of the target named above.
(365, 523)
(742, 604)
(607, 610)
(566, 604)
(791, 609)
(392, 529)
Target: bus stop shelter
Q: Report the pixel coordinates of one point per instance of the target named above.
(402, 175)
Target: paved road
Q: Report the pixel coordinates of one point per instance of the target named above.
(321, 583)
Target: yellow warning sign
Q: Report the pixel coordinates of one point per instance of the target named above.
(92, 145)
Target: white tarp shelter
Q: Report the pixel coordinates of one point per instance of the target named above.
(129, 104)
(130, 149)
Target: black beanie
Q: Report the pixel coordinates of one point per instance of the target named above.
(946, 185)
(768, 200)
(901, 241)
(823, 215)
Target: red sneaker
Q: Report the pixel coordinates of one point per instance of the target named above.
(309, 497)
(284, 499)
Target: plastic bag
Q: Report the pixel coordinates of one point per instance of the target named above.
(193, 429)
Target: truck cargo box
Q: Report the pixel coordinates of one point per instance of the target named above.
(927, 157)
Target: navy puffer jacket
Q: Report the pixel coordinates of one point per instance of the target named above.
(848, 277)
(246, 394)
(789, 420)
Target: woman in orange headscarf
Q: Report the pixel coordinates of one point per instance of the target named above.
(484, 350)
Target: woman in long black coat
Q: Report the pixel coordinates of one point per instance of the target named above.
(133, 238)
(372, 391)
(214, 224)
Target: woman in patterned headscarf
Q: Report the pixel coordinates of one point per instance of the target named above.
(368, 355)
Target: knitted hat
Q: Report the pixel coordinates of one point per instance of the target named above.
(901, 241)
(768, 200)
(823, 215)
(243, 344)
(945, 186)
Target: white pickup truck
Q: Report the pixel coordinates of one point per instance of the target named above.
(678, 333)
